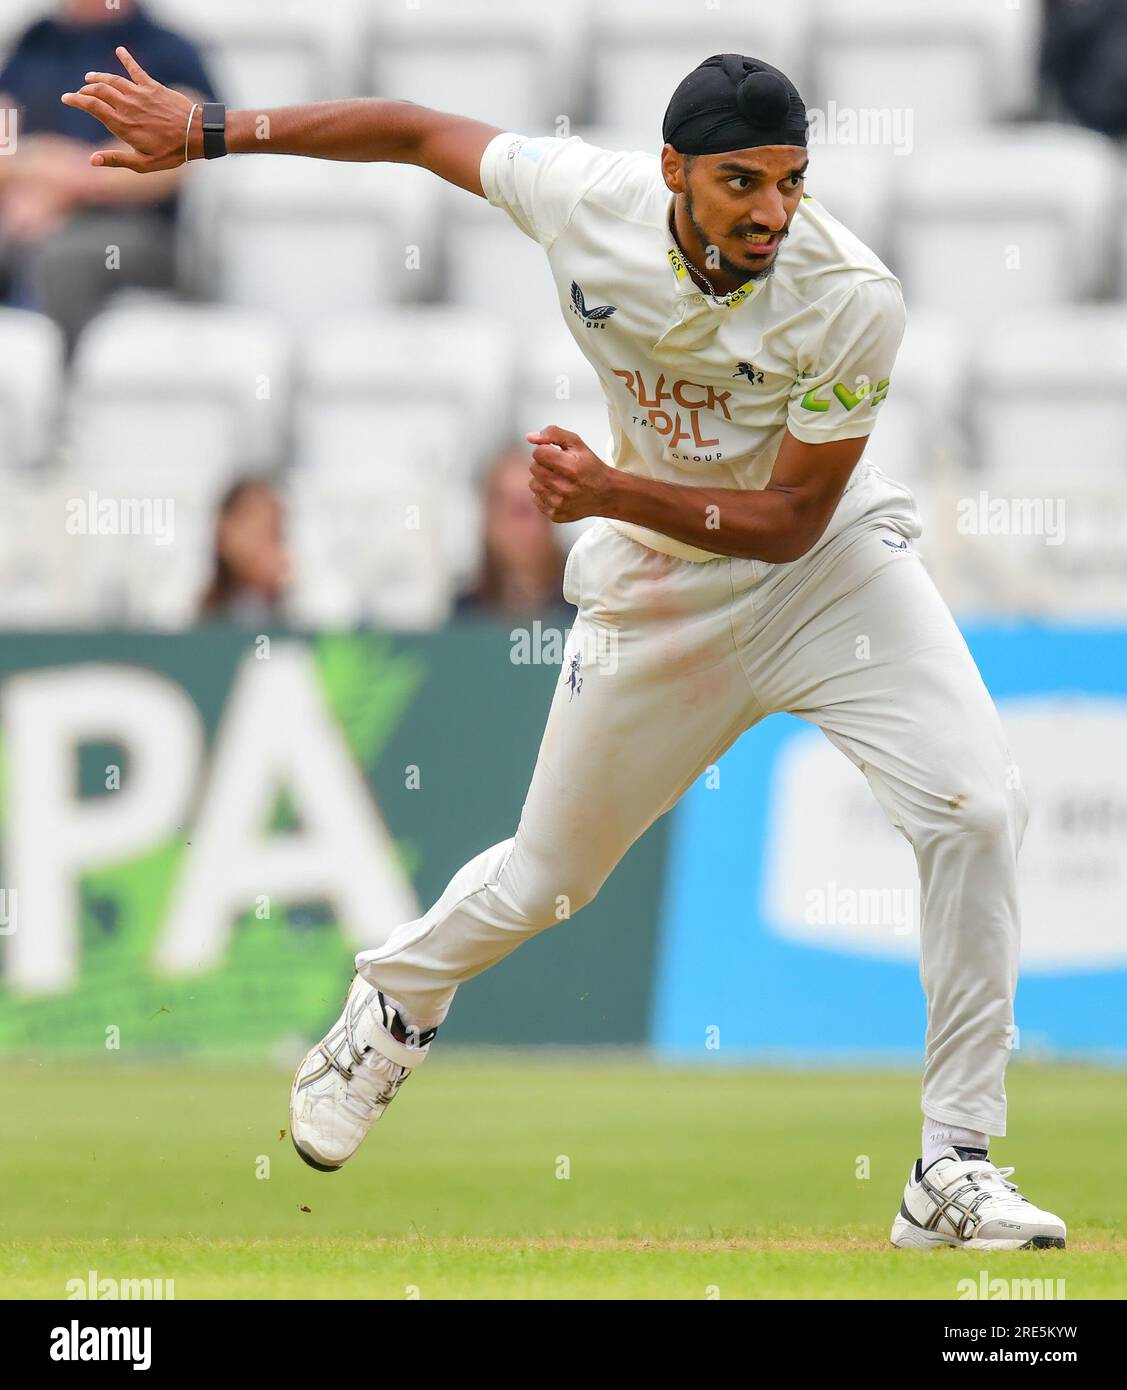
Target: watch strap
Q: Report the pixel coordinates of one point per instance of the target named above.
(214, 130)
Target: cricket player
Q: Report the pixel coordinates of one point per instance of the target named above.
(745, 342)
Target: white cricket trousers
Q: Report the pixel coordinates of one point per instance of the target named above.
(675, 660)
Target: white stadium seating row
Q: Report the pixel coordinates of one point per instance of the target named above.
(966, 223)
(207, 391)
(381, 425)
(523, 66)
(79, 552)
(373, 550)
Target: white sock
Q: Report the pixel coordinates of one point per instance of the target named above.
(938, 1136)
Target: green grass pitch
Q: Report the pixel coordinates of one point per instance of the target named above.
(498, 1175)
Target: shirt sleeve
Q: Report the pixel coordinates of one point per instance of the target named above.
(844, 367)
(539, 181)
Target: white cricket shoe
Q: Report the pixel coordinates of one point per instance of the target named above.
(348, 1080)
(966, 1201)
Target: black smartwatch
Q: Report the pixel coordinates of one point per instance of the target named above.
(214, 130)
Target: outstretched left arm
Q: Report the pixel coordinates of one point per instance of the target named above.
(777, 523)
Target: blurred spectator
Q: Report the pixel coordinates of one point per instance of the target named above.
(522, 568)
(252, 564)
(58, 215)
(1084, 56)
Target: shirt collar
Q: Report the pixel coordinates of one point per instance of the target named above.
(686, 285)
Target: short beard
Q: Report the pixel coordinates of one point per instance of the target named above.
(737, 272)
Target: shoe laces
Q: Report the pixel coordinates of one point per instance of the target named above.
(371, 1087)
(986, 1177)
(371, 1078)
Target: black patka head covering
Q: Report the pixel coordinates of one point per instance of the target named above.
(731, 102)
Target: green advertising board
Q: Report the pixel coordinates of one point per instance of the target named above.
(199, 831)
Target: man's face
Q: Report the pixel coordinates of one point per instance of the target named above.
(739, 205)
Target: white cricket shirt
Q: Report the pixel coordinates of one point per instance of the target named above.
(701, 390)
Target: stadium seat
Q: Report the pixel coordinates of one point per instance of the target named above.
(430, 385)
(938, 64)
(1050, 395)
(31, 350)
(858, 188)
(976, 233)
(502, 61)
(492, 267)
(187, 391)
(264, 53)
(556, 385)
(641, 49)
(369, 547)
(308, 238)
(1068, 563)
(152, 574)
(64, 565)
(1049, 415)
(919, 440)
(385, 383)
(32, 592)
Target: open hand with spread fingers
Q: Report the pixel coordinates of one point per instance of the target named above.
(148, 117)
(567, 480)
